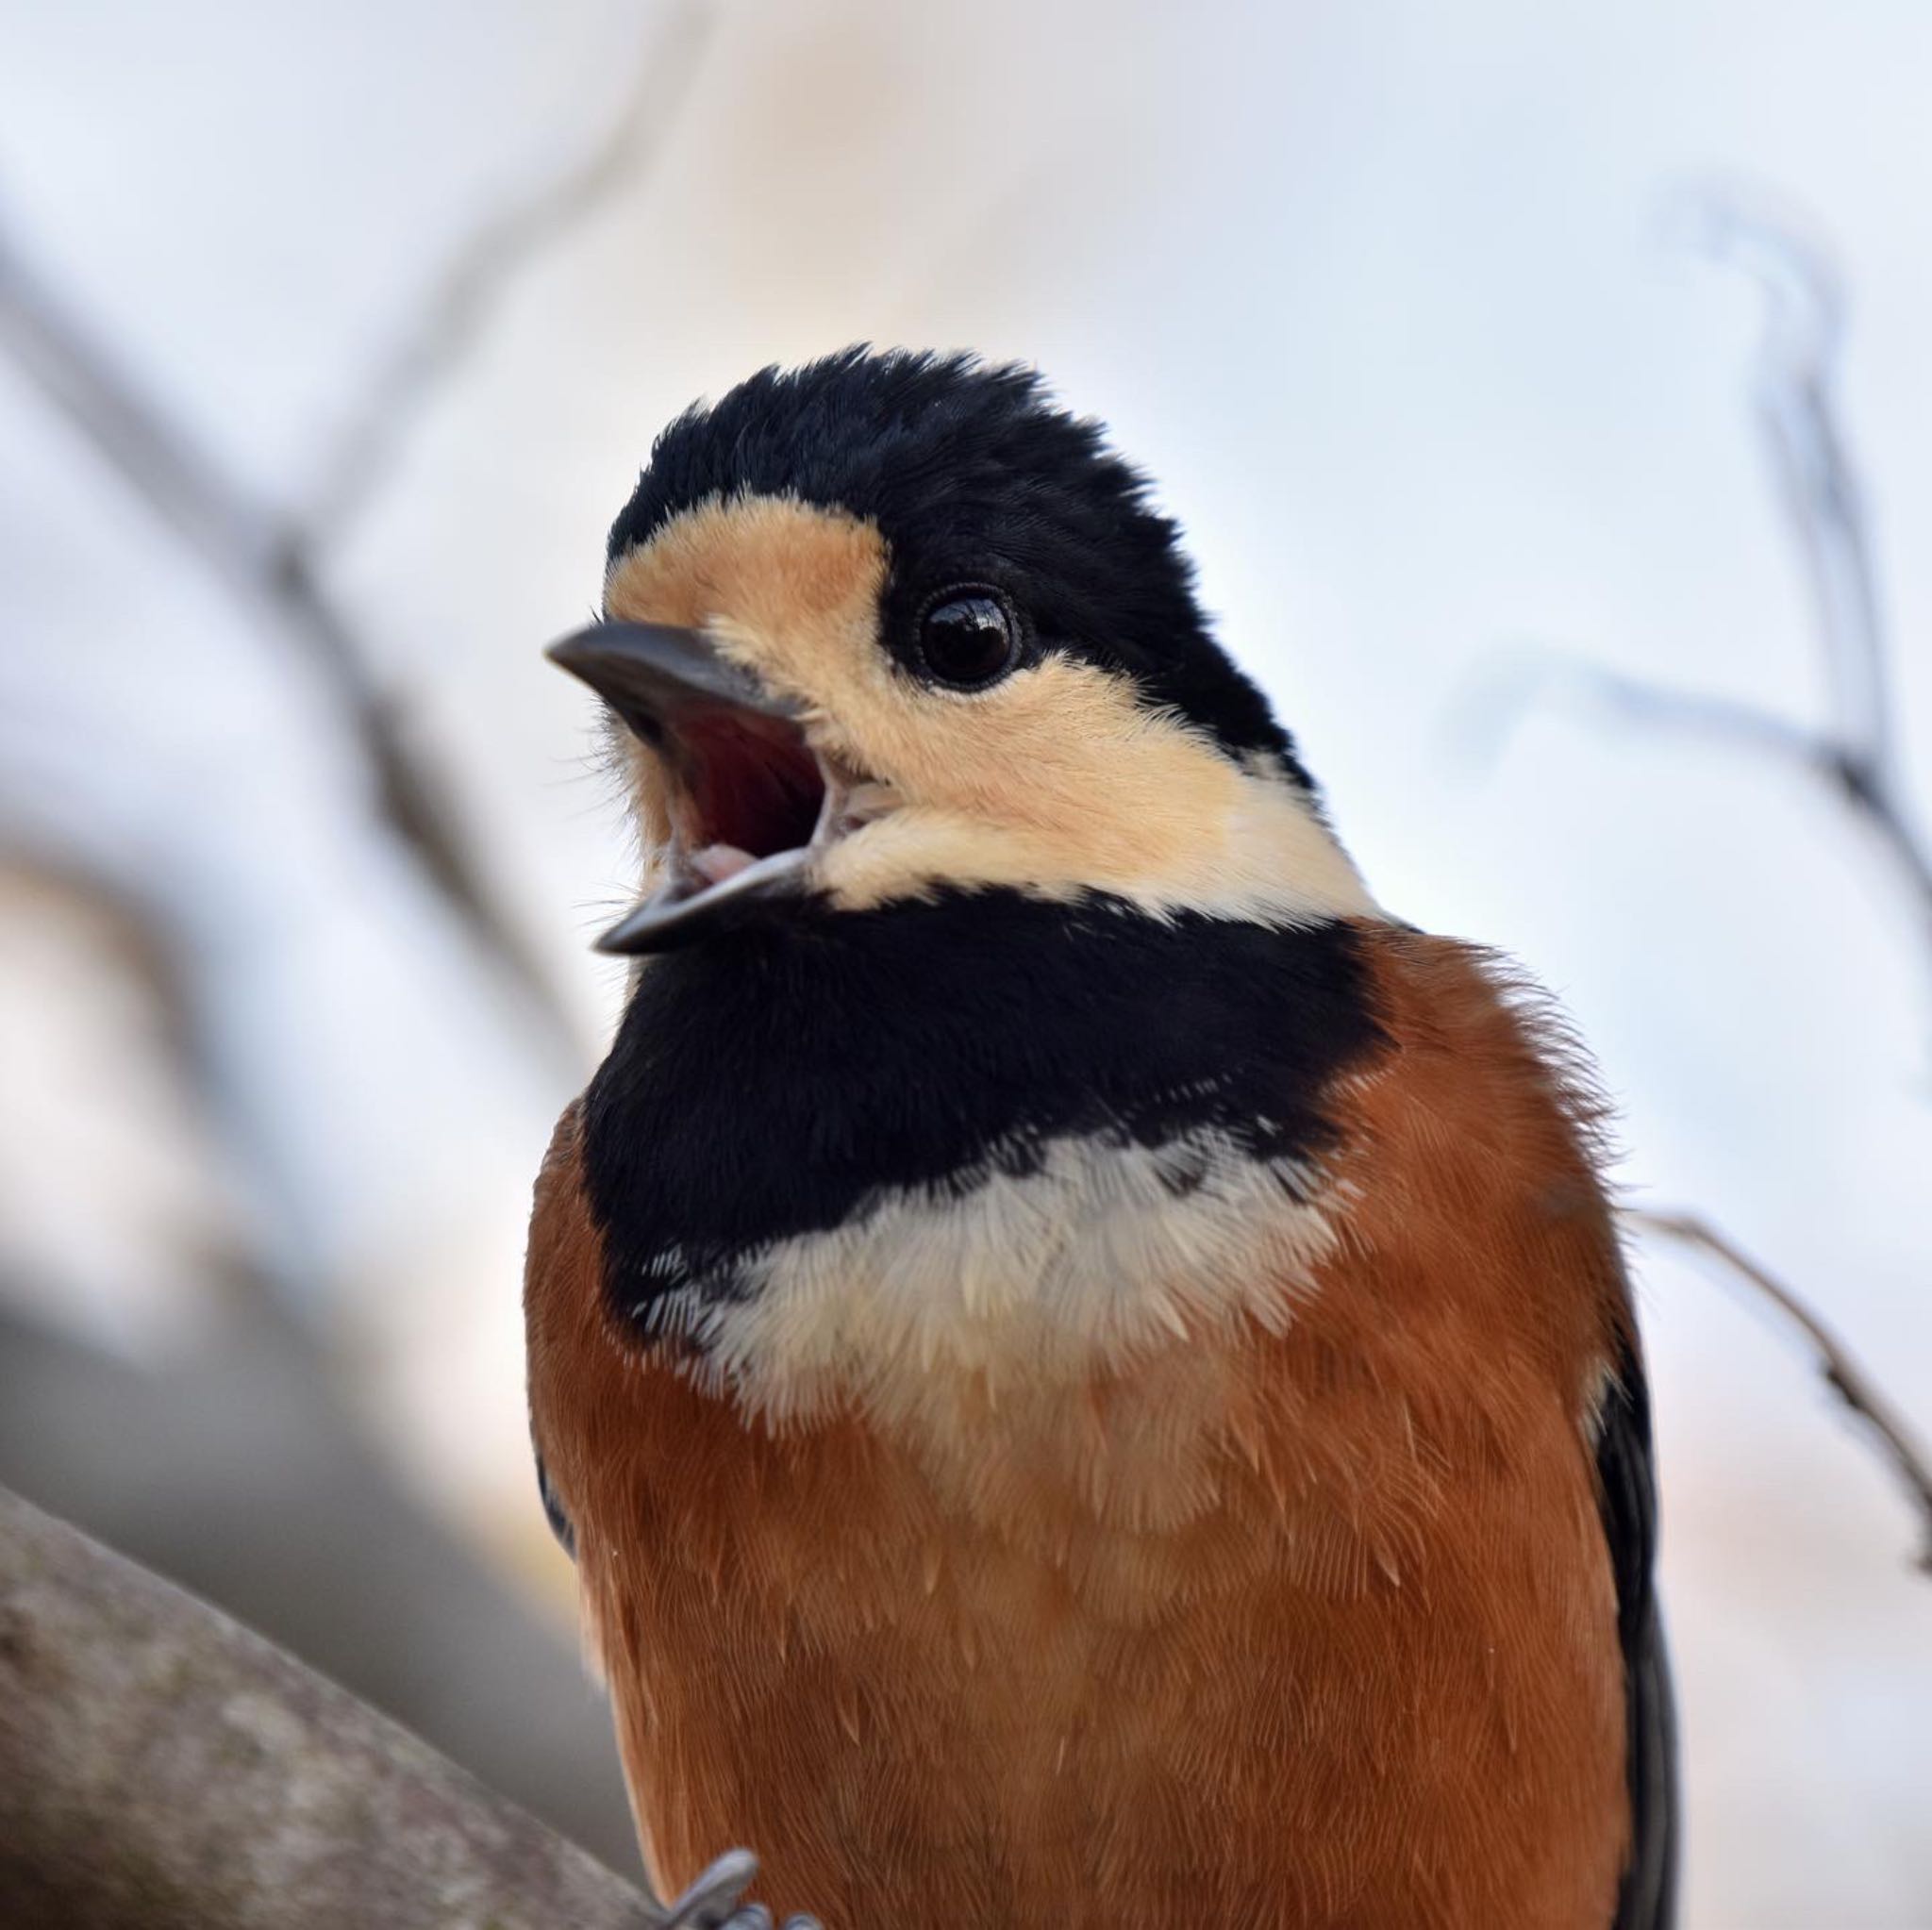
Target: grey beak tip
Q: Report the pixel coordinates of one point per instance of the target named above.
(577, 653)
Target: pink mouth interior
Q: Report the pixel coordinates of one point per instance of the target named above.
(754, 787)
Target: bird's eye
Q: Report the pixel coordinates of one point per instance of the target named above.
(968, 638)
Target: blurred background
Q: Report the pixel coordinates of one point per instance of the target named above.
(332, 338)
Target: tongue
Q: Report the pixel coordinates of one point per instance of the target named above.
(717, 862)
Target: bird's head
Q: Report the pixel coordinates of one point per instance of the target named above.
(892, 625)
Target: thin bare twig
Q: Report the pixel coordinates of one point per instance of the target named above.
(273, 560)
(1842, 1373)
(1796, 398)
(1823, 495)
(474, 281)
(1515, 679)
(1854, 755)
(257, 556)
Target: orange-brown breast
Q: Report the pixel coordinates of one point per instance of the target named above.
(1355, 1666)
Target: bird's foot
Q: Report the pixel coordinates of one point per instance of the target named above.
(716, 1900)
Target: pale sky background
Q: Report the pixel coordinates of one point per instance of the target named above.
(1385, 297)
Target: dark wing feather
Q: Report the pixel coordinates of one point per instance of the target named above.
(1647, 1898)
(560, 1524)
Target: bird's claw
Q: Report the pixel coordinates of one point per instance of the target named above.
(716, 1900)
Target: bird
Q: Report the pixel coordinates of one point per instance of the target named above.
(1085, 1366)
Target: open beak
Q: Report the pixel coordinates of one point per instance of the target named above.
(751, 800)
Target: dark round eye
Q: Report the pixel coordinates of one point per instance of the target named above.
(968, 638)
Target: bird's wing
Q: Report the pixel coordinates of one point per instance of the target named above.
(1646, 1900)
(562, 1270)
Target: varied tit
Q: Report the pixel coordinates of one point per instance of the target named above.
(1087, 1368)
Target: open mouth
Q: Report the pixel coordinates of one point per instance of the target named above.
(752, 803)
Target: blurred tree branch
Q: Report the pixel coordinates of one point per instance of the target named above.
(275, 559)
(267, 563)
(160, 1767)
(1852, 754)
(1842, 1373)
(477, 276)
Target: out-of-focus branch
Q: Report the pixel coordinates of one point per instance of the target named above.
(161, 1768)
(1811, 464)
(1810, 457)
(1842, 1373)
(480, 272)
(259, 557)
(1853, 755)
(273, 560)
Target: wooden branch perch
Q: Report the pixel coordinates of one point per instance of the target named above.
(1840, 1372)
(162, 1769)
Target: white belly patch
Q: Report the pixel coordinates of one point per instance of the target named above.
(1099, 1254)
